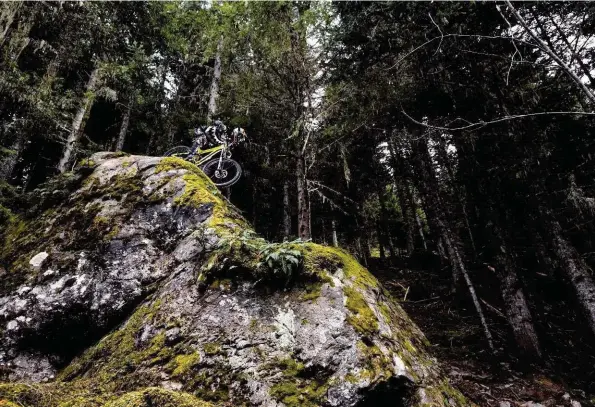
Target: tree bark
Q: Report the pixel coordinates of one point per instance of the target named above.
(407, 207)
(576, 272)
(124, 128)
(9, 10)
(214, 92)
(286, 212)
(408, 219)
(420, 228)
(381, 240)
(335, 239)
(78, 121)
(516, 307)
(19, 39)
(302, 201)
(475, 299)
(8, 163)
(428, 186)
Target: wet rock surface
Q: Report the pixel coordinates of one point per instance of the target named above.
(153, 286)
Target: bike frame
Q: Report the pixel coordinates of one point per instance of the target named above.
(202, 156)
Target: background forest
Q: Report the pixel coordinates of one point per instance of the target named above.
(449, 145)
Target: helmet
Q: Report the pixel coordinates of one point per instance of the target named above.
(239, 135)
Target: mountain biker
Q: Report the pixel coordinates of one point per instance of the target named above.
(209, 136)
(214, 135)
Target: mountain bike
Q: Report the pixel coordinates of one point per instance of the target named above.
(215, 162)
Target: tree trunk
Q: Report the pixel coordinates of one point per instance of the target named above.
(408, 219)
(442, 156)
(475, 299)
(8, 11)
(286, 212)
(8, 163)
(407, 207)
(381, 241)
(435, 209)
(420, 228)
(19, 39)
(303, 206)
(576, 272)
(335, 239)
(214, 92)
(79, 118)
(516, 307)
(124, 128)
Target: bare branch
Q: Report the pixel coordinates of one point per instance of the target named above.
(491, 37)
(474, 126)
(516, 50)
(439, 30)
(551, 53)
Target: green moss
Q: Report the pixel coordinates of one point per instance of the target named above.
(313, 292)
(87, 163)
(253, 325)
(446, 395)
(299, 393)
(376, 363)
(182, 364)
(212, 348)
(175, 163)
(323, 259)
(224, 284)
(295, 389)
(125, 355)
(80, 394)
(409, 346)
(363, 318)
(6, 216)
(155, 396)
(112, 233)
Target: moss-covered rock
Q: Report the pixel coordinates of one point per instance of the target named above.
(156, 292)
(154, 396)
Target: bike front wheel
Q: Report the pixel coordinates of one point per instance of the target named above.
(225, 175)
(179, 151)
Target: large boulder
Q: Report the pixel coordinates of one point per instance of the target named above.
(134, 282)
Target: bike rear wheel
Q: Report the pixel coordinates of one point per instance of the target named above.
(179, 151)
(228, 174)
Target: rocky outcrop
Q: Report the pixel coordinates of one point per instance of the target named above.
(133, 282)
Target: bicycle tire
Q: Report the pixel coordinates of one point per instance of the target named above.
(228, 165)
(178, 151)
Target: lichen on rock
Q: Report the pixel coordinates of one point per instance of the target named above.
(155, 291)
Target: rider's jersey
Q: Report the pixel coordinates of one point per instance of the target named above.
(210, 136)
(216, 134)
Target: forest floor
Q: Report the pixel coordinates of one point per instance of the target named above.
(459, 345)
